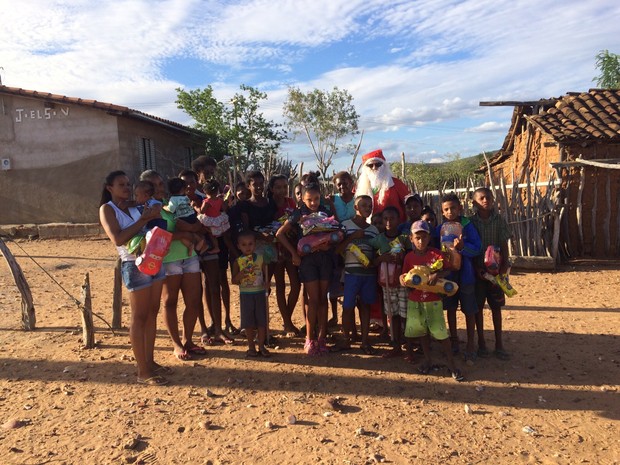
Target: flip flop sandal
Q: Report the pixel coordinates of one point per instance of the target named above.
(393, 353)
(424, 369)
(368, 349)
(251, 353)
(153, 381)
(162, 370)
(457, 375)
(501, 354)
(196, 350)
(183, 356)
(339, 348)
(206, 339)
(264, 353)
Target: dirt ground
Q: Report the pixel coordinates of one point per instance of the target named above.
(555, 402)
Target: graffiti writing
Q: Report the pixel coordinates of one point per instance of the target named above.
(22, 114)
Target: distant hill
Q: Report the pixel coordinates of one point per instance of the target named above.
(433, 176)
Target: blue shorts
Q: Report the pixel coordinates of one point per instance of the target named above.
(364, 286)
(134, 279)
(466, 295)
(183, 266)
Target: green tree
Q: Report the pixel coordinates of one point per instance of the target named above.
(609, 66)
(237, 129)
(454, 172)
(325, 118)
(211, 118)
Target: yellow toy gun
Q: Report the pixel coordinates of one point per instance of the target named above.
(501, 280)
(417, 278)
(361, 256)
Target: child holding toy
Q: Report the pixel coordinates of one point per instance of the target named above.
(468, 245)
(391, 247)
(360, 274)
(424, 308)
(493, 231)
(315, 271)
(250, 272)
(277, 192)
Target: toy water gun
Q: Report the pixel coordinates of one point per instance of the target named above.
(417, 278)
(361, 256)
(449, 231)
(157, 245)
(501, 280)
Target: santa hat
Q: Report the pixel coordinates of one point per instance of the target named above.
(375, 155)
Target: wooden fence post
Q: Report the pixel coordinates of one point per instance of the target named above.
(117, 299)
(29, 317)
(88, 328)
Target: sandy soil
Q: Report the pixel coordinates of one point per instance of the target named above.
(555, 402)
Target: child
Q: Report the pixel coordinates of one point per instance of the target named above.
(315, 272)
(179, 205)
(297, 193)
(342, 203)
(249, 272)
(342, 207)
(212, 210)
(277, 192)
(428, 215)
(391, 247)
(493, 230)
(360, 280)
(413, 210)
(143, 195)
(469, 246)
(424, 309)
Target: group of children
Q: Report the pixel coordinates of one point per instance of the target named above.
(369, 263)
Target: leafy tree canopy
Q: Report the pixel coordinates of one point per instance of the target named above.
(325, 118)
(609, 66)
(236, 129)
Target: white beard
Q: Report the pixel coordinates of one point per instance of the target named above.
(375, 181)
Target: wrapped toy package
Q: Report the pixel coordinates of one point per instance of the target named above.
(319, 232)
(492, 261)
(157, 245)
(450, 230)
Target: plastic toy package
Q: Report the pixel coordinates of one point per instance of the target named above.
(318, 241)
(492, 262)
(361, 256)
(157, 245)
(449, 231)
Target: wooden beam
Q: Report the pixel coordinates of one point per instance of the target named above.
(516, 103)
(29, 318)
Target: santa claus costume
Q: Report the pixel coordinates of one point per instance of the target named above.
(377, 181)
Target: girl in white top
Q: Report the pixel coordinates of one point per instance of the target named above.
(121, 223)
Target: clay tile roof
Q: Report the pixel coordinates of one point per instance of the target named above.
(108, 107)
(582, 117)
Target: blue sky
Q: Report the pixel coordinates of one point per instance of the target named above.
(416, 69)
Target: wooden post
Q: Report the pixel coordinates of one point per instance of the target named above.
(402, 167)
(557, 221)
(29, 318)
(117, 299)
(88, 328)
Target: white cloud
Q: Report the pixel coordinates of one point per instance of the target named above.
(414, 67)
(490, 126)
